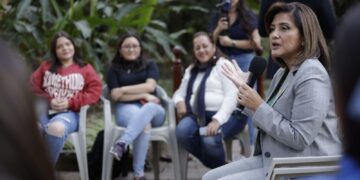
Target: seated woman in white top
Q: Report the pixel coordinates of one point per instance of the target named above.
(206, 98)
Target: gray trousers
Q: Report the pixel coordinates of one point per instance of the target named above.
(251, 168)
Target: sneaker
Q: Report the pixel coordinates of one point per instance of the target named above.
(117, 150)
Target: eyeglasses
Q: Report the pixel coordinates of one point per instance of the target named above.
(128, 47)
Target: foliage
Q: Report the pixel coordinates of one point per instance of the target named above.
(95, 26)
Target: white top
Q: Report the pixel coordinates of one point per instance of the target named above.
(220, 92)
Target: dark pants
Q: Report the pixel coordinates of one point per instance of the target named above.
(208, 149)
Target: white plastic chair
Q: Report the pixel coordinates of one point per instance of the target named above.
(292, 167)
(165, 133)
(78, 139)
(244, 138)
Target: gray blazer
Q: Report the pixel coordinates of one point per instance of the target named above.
(302, 119)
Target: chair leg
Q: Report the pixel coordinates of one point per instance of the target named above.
(156, 156)
(244, 138)
(81, 155)
(183, 158)
(107, 157)
(228, 149)
(172, 143)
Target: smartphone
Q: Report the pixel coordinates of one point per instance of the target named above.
(202, 131)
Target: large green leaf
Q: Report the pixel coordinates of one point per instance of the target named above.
(93, 4)
(83, 26)
(162, 39)
(96, 26)
(22, 8)
(56, 8)
(140, 17)
(45, 10)
(124, 9)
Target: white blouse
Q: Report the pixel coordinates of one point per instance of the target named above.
(220, 92)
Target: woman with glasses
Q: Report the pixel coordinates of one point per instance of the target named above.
(132, 80)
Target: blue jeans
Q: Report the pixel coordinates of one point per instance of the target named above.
(244, 61)
(69, 120)
(135, 117)
(208, 149)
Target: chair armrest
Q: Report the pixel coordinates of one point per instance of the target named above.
(302, 161)
(82, 119)
(168, 105)
(303, 171)
(107, 112)
(172, 117)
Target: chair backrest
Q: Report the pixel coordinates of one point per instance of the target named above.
(168, 104)
(302, 166)
(162, 95)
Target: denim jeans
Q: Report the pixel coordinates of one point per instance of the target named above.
(208, 149)
(244, 61)
(70, 121)
(135, 117)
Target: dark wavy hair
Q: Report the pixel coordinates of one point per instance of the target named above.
(122, 64)
(244, 15)
(306, 21)
(55, 61)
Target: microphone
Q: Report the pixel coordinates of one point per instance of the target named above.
(257, 67)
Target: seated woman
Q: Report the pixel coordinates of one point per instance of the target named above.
(298, 118)
(67, 84)
(132, 82)
(206, 98)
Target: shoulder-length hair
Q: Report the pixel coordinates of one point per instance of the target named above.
(314, 44)
(217, 53)
(120, 63)
(55, 61)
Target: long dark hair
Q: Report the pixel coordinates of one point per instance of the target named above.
(23, 153)
(244, 15)
(55, 61)
(121, 64)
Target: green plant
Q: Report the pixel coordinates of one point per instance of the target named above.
(95, 26)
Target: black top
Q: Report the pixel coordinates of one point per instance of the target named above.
(236, 31)
(322, 8)
(118, 78)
